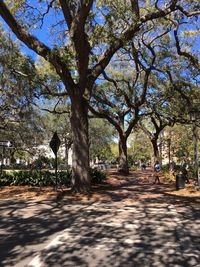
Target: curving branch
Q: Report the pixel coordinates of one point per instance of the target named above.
(128, 35)
(178, 89)
(31, 41)
(35, 44)
(54, 111)
(47, 11)
(106, 116)
(188, 14)
(133, 122)
(104, 101)
(190, 57)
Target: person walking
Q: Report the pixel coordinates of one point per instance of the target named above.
(157, 171)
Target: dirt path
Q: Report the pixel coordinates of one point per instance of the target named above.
(137, 186)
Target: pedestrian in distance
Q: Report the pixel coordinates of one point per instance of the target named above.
(143, 166)
(157, 172)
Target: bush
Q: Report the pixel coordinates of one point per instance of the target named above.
(5, 179)
(97, 176)
(20, 178)
(45, 178)
(65, 177)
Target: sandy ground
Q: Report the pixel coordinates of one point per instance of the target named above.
(116, 187)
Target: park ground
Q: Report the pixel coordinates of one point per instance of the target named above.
(127, 221)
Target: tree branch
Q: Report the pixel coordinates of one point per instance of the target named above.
(191, 58)
(31, 41)
(104, 101)
(178, 89)
(46, 12)
(133, 122)
(135, 8)
(105, 116)
(128, 35)
(188, 14)
(66, 12)
(34, 44)
(76, 25)
(145, 130)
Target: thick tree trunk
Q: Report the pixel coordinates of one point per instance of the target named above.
(80, 159)
(123, 161)
(155, 150)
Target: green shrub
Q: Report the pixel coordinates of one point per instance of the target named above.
(37, 178)
(20, 178)
(45, 178)
(65, 177)
(6, 179)
(97, 176)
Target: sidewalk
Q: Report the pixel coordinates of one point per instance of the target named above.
(134, 235)
(134, 224)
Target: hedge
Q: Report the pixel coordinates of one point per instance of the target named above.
(45, 178)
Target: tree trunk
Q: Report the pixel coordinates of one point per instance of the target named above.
(80, 159)
(123, 161)
(155, 150)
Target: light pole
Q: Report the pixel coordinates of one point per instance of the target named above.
(195, 141)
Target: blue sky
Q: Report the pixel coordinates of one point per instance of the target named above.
(25, 49)
(44, 35)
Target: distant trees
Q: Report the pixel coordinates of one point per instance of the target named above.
(101, 135)
(119, 101)
(139, 148)
(18, 89)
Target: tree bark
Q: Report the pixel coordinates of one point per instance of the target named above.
(155, 150)
(80, 157)
(123, 161)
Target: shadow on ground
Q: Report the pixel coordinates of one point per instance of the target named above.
(138, 186)
(157, 230)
